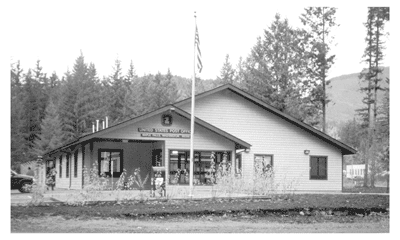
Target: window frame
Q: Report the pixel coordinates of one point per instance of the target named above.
(263, 154)
(238, 163)
(121, 154)
(76, 163)
(197, 153)
(326, 168)
(67, 162)
(60, 167)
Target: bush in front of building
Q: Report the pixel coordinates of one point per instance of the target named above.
(131, 182)
(93, 185)
(262, 183)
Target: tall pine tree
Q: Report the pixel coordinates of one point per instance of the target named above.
(320, 21)
(51, 135)
(227, 73)
(373, 56)
(276, 69)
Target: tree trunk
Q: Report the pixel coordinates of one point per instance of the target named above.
(387, 186)
(323, 76)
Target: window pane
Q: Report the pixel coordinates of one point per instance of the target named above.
(238, 163)
(322, 167)
(115, 157)
(105, 162)
(314, 167)
(60, 170)
(262, 163)
(67, 167)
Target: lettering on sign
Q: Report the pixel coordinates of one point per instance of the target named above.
(161, 135)
(164, 132)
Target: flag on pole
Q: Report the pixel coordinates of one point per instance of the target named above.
(198, 55)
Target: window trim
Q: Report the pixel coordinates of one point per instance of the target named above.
(67, 166)
(263, 154)
(194, 151)
(239, 163)
(121, 152)
(326, 167)
(76, 163)
(60, 167)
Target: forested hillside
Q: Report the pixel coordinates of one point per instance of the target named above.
(346, 97)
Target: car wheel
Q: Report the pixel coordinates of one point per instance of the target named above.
(25, 187)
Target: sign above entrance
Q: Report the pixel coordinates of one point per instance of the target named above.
(164, 132)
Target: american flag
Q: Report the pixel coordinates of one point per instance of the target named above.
(197, 45)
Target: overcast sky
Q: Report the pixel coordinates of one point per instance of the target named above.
(157, 35)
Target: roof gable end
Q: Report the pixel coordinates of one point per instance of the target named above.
(323, 136)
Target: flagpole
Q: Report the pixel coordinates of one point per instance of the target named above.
(191, 172)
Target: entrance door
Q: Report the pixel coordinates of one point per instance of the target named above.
(157, 158)
(183, 165)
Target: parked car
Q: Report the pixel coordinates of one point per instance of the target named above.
(21, 182)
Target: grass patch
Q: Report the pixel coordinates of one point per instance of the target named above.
(279, 205)
(365, 190)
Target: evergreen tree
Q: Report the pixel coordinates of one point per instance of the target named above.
(18, 142)
(373, 56)
(54, 81)
(227, 74)
(320, 21)
(30, 121)
(42, 87)
(141, 95)
(16, 76)
(276, 69)
(169, 88)
(240, 73)
(381, 16)
(131, 82)
(131, 77)
(116, 93)
(51, 135)
(81, 101)
(383, 120)
(67, 107)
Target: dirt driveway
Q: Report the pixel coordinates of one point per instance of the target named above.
(58, 224)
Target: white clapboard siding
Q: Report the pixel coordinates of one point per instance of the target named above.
(76, 182)
(270, 134)
(62, 182)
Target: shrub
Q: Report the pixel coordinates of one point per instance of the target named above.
(37, 191)
(262, 182)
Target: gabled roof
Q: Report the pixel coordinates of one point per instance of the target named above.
(323, 136)
(98, 134)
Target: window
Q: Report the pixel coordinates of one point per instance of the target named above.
(76, 163)
(60, 172)
(110, 161)
(179, 165)
(318, 168)
(263, 162)
(238, 163)
(67, 167)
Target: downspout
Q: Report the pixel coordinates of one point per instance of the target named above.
(342, 170)
(70, 175)
(83, 164)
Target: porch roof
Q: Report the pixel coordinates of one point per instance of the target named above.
(240, 144)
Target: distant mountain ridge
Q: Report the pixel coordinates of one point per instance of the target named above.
(346, 97)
